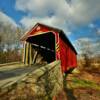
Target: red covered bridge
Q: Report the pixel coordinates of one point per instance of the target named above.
(51, 43)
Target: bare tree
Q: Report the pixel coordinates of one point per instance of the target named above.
(85, 51)
(9, 41)
(10, 37)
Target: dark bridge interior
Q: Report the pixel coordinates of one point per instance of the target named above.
(45, 45)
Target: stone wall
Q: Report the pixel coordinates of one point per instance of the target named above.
(41, 84)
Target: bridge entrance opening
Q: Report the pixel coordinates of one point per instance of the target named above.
(43, 47)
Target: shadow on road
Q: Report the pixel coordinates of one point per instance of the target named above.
(17, 72)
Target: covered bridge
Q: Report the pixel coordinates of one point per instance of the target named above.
(48, 44)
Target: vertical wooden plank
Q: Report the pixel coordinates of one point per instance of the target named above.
(35, 55)
(30, 55)
(26, 62)
(25, 53)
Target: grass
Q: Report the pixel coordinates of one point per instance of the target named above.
(79, 83)
(13, 66)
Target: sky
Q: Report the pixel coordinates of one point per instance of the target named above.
(79, 19)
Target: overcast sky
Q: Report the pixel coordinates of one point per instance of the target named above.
(79, 19)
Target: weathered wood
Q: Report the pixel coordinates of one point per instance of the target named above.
(26, 55)
(30, 54)
(34, 57)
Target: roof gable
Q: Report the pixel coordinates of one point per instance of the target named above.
(37, 29)
(40, 28)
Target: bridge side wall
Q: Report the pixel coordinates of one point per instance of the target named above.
(42, 84)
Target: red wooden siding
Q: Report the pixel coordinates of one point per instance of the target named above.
(64, 51)
(45, 30)
(67, 56)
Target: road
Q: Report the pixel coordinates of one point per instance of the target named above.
(9, 75)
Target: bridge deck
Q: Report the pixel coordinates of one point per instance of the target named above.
(10, 74)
